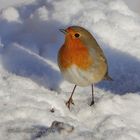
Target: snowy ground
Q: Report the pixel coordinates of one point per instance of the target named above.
(31, 85)
(134, 5)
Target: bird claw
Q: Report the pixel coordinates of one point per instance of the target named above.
(92, 103)
(69, 102)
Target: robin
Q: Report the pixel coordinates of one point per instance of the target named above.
(81, 60)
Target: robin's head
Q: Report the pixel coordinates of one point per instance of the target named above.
(76, 33)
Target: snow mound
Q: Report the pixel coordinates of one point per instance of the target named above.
(10, 14)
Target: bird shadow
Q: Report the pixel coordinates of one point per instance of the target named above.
(125, 71)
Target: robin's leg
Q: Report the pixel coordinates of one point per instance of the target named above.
(70, 101)
(92, 101)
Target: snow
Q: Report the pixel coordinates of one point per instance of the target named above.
(134, 5)
(10, 14)
(32, 90)
(7, 3)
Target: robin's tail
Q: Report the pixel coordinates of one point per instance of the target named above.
(107, 77)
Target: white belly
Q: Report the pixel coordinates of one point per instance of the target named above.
(78, 77)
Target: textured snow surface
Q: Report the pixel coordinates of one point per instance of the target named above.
(32, 90)
(134, 5)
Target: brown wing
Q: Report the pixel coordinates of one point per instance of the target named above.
(103, 58)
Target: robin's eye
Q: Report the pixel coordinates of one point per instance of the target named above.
(76, 35)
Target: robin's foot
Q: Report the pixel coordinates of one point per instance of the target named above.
(92, 103)
(69, 102)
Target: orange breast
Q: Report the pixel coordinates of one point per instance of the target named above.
(74, 52)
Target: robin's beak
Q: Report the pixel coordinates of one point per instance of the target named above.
(63, 31)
